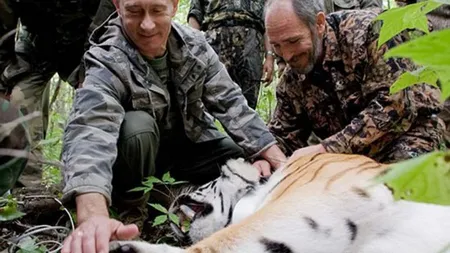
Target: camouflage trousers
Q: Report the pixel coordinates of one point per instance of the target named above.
(11, 166)
(240, 49)
(26, 77)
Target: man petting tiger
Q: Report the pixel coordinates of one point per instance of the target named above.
(146, 106)
(337, 85)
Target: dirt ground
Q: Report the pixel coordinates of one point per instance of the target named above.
(47, 223)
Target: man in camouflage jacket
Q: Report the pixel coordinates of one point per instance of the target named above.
(147, 104)
(339, 5)
(51, 38)
(235, 30)
(337, 85)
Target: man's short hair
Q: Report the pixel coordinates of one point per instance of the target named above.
(306, 10)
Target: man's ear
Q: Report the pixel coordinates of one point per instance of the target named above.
(175, 7)
(320, 23)
(116, 4)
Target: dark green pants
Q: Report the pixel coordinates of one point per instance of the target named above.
(143, 152)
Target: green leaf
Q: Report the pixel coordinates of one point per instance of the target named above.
(10, 212)
(423, 75)
(185, 226)
(174, 218)
(159, 220)
(153, 180)
(28, 245)
(148, 186)
(167, 178)
(422, 179)
(138, 189)
(398, 19)
(159, 208)
(444, 79)
(431, 50)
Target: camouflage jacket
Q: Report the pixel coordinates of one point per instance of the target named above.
(119, 79)
(221, 11)
(338, 5)
(345, 100)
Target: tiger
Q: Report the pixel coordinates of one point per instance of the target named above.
(321, 203)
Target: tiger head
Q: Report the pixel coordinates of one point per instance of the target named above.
(210, 207)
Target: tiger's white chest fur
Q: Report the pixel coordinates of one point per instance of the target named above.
(253, 201)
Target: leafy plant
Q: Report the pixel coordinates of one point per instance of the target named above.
(148, 185)
(8, 209)
(161, 219)
(426, 178)
(28, 245)
(422, 179)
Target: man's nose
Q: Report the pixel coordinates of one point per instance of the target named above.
(147, 23)
(287, 55)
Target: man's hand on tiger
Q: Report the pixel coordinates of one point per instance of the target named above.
(274, 156)
(264, 168)
(306, 151)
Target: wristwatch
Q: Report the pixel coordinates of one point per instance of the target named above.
(271, 53)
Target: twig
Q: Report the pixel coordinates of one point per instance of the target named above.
(25, 154)
(7, 128)
(36, 231)
(58, 201)
(68, 213)
(163, 193)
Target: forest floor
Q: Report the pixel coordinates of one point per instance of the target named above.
(47, 223)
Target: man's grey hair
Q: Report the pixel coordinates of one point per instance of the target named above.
(306, 10)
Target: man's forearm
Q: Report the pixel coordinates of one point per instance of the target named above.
(89, 205)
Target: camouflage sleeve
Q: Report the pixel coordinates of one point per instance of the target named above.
(384, 113)
(196, 10)
(90, 137)
(289, 124)
(371, 3)
(224, 100)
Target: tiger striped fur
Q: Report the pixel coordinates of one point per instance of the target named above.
(324, 203)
